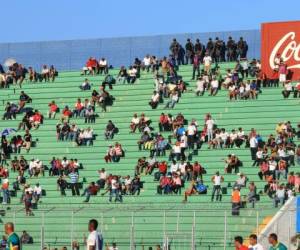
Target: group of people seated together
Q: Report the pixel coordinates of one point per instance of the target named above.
(168, 144)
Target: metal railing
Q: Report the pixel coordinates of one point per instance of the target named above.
(142, 228)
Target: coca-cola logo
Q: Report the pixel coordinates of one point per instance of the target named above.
(289, 51)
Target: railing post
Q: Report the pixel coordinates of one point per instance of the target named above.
(257, 222)
(43, 230)
(42, 237)
(132, 244)
(177, 223)
(164, 225)
(290, 228)
(225, 229)
(72, 228)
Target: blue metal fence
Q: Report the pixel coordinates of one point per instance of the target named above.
(72, 54)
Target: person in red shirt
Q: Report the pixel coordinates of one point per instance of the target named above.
(36, 120)
(164, 123)
(53, 108)
(163, 167)
(66, 114)
(78, 111)
(238, 243)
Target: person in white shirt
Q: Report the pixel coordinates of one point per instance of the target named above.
(37, 192)
(132, 74)
(88, 136)
(217, 180)
(174, 167)
(214, 86)
(210, 125)
(183, 145)
(154, 100)
(207, 60)
(253, 147)
(95, 239)
(253, 243)
(113, 247)
(191, 133)
(287, 89)
(103, 66)
(200, 86)
(134, 123)
(147, 62)
(173, 100)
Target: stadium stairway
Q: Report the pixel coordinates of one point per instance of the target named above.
(149, 217)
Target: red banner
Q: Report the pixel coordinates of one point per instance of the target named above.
(282, 40)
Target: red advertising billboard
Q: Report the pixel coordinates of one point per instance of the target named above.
(281, 39)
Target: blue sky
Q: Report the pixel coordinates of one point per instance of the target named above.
(40, 20)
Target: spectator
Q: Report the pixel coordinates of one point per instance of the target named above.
(254, 245)
(85, 85)
(154, 100)
(217, 180)
(26, 238)
(74, 185)
(13, 240)
(62, 184)
(174, 98)
(275, 244)
(110, 130)
(238, 242)
(102, 66)
(53, 109)
(236, 201)
(95, 239)
(92, 189)
(280, 196)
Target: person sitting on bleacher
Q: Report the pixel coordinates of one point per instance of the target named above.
(92, 189)
(134, 123)
(24, 98)
(165, 123)
(45, 73)
(110, 130)
(287, 89)
(53, 109)
(66, 114)
(297, 89)
(11, 110)
(64, 131)
(154, 100)
(36, 119)
(89, 115)
(102, 66)
(32, 75)
(122, 75)
(79, 108)
(52, 73)
(174, 98)
(37, 192)
(85, 85)
(90, 66)
(132, 75)
(108, 80)
(88, 136)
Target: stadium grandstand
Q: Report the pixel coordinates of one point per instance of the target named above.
(187, 146)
